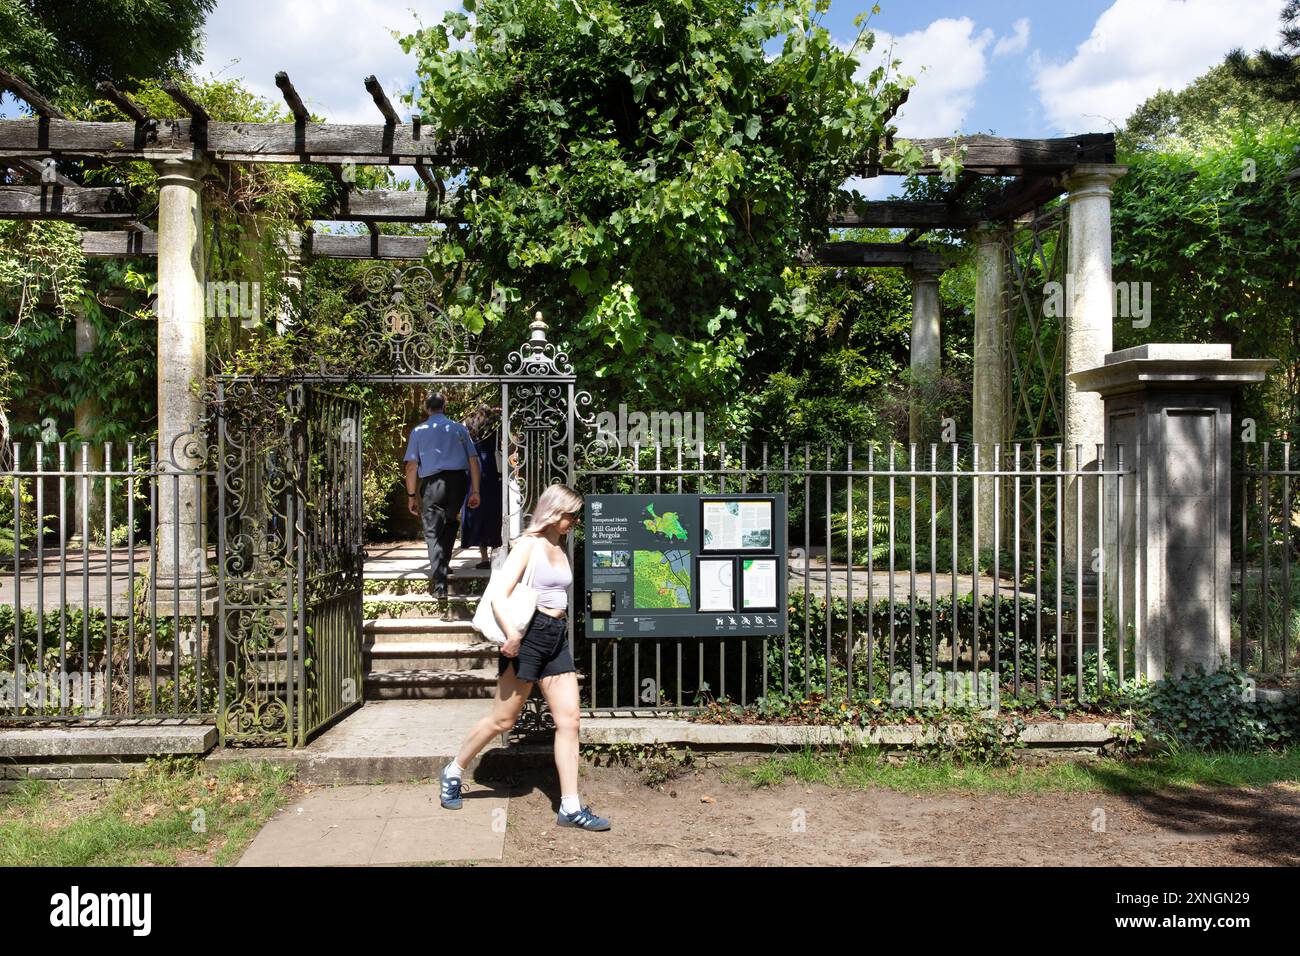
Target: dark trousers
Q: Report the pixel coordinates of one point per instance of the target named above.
(441, 496)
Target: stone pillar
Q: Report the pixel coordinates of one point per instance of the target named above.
(925, 359)
(991, 421)
(181, 364)
(1087, 331)
(1170, 407)
(89, 494)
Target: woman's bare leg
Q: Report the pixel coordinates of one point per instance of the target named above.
(561, 693)
(512, 694)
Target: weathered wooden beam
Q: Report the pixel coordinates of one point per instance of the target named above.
(427, 178)
(122, 102)
(44, 172)
(381, 100)
(999, 156)
(388, 205)
(25, 91)
(902, 214)
(877, 255)
(366, 144)
(291, 97)
(1021, 197)
(366, 247)
(963, 186)
(186, 102)
(119, 244)
(63, 202)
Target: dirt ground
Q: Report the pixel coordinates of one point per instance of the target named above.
(704, 820)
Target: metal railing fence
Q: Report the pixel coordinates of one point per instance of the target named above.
(907, 565)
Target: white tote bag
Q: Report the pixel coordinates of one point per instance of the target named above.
(520, 605)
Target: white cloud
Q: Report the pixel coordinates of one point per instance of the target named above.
(327, 47)
(1138, 47)
(1017, 42)
(948, 60)
(877, 187)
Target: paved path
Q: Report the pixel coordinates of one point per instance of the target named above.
(381, 825)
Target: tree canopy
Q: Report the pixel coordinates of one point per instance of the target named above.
(64, 48)
(645, 172)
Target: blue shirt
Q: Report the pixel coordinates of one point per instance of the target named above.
(439, 444)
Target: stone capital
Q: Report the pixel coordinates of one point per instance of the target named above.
(182, 172)
(986, 233)
(1092, 180)
(926, 267)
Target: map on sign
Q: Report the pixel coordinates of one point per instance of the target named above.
(666, 525)
(661, 579)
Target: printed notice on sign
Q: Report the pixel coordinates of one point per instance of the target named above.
(737, 525)
(758, 584)
(716, 584)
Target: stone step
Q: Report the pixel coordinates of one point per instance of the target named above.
(412, 570)
(384, 628)
(414, 683)
(406, 606)
(393, 656)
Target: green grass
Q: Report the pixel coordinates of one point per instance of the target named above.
(867, 767)
(163, 814)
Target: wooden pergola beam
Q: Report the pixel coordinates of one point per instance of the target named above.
(43, 171)
(1021, 197)
(375, 206)
(62, 202)
(902, 214)
(119, 244)
(24, 91)
(877, 255)
(366, 144)
(998, 156)
(406, 144)
(381, 100)
(291, 97)
(198, 115)
(388, 205)
(124, 244)
(122, 102)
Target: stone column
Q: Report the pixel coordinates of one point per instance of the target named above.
(1170, 407)
(89, 494)
(992, 386)
(925, 358)
(1087, 333)
(181, 364)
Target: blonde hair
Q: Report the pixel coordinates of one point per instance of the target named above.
(552, 504)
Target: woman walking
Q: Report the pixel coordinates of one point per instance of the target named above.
(481, 527)
(541, 655)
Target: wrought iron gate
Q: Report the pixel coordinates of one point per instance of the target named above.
(289, 483)
(289, 580)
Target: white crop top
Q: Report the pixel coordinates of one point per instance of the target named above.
(550, 582)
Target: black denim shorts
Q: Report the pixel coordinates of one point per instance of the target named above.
(543, 651)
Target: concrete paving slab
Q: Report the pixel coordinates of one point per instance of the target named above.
(387, 824)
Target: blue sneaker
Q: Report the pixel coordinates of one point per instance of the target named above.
(451, 793)
(582, 818)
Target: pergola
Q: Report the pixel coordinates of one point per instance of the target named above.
(183, 148)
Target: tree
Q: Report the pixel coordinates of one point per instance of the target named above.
(644, 172)
(1205, 112)
(1277, 75)
(63, 49)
